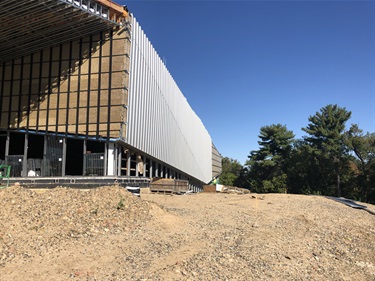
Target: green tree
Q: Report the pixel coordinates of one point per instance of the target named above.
(231, 170)
(326, 136)
(267, 166)
(306, 174)
(363, 147)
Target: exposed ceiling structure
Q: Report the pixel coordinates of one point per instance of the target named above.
(30, 25)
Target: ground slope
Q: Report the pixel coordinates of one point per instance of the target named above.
(108, 234)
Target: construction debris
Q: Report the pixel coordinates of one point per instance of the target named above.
(351, 203)
(225, 189)
(234, 189)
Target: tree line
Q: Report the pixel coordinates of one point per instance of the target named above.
(329, 160)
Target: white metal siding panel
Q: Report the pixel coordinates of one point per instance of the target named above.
(160, 121)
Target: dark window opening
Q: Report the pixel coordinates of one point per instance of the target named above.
(95, 147)
(160, 170)
(15, 157)
(124, 161)
(74, 157)
(147, 169)
(16, 144)
(94, 159)
(3, 139)
(35, 148)
(152, 174)
(133, 164)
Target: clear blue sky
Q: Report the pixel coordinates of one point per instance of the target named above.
(247, 64)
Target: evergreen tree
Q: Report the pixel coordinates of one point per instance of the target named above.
(326, 137)
(267, 166)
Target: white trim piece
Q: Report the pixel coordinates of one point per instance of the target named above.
(111, 159)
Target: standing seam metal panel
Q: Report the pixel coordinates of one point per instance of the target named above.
(160, 121)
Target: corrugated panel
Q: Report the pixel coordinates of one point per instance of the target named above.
(160, 121)
(216, 161)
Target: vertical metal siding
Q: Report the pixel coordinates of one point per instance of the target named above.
(160, 121)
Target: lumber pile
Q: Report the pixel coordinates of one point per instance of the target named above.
(169, 185)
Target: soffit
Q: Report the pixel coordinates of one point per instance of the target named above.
(27, 26)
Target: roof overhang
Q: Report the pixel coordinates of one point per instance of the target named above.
(27, 26)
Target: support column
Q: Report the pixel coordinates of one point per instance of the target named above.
(136, 165)
(145, 166)
(64, 158)
(43, 171)
(7, 146)
(151, 168)
(128, 162)
(156, 169)
(119, 157)
(110, 159)
(84, 157)
(24, 163)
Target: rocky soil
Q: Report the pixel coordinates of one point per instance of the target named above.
(109, 234)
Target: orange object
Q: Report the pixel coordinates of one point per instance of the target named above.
(114, 7)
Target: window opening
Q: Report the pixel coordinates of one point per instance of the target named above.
(3, 139)
(35, 148)
(74, 157)
(53, 157)
(15, 155)
(94, 158)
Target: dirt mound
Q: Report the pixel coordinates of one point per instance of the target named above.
(109, 234)
(33, 221)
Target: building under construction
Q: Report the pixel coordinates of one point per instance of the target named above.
(85, 98)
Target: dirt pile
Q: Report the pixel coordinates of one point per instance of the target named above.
(108, 234)
(32, 222)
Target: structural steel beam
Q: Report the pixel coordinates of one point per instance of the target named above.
(27, 26)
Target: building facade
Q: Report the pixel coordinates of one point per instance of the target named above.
(84, 94)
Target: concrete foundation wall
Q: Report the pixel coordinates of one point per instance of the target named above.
(78, 88)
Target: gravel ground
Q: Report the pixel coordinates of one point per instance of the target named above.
(109, 234)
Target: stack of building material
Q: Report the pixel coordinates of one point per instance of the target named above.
(225, 189)
(234, 189)
(209, 188)
(169, 185)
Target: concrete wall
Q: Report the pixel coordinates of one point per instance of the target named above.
(78, 88)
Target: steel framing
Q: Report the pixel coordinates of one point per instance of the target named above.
(30, 25)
